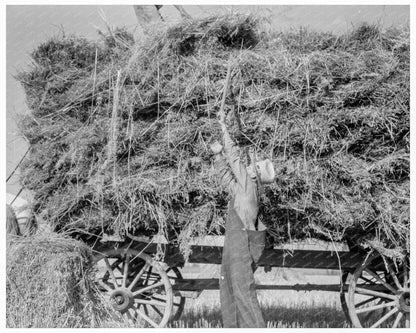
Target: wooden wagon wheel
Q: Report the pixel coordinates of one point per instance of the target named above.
(174, 274)
(379, 295)
(344, 296)
(136, 286)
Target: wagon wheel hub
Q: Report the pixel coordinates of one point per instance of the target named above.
(403, 301)
(122, 299)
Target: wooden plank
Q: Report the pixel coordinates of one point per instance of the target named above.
(283, 258)
(310, 259)
(345, 260)
(213, 284)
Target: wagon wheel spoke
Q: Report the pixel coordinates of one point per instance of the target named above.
(110, 271)
(148, 275)
(370, 292)
(125, 270)
(137, 277)
(367, 316)
(164, 301)
(379, 279)
(104, 285)
(405, 276)
(157, 310)
(144, 305)
(397, 321)
(149, 302)
(365, 301)
(152, 286)
(407, 320)
(134, 311)
(393, 274)
(375, 307)
(145, 317)
(384, 318)
(369, 281)
(174, 303)
(130, 316)
(116, 265)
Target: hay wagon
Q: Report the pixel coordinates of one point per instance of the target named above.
(142, 279)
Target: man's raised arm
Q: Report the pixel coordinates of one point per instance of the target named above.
(225, 175)
(232, 155)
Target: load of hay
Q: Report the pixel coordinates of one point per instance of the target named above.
(120, 131)
(50, 283)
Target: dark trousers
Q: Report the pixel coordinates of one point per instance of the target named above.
(242, 250)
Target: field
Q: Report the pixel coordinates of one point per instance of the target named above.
(304, 310)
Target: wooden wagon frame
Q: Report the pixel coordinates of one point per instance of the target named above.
(143, 281)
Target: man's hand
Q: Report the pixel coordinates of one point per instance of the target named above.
(216, 147)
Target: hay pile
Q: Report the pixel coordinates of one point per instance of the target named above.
(50, 284)
(120, 132)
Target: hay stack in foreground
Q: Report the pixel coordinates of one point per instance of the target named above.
(50, 283)
(120, 132)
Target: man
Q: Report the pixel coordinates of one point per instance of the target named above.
(244, 236)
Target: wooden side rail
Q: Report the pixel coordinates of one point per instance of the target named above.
(275, 258)
(344, 260)
(213, 284)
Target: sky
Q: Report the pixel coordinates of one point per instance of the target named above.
(29, 25)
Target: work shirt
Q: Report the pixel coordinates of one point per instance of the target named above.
(244, 189)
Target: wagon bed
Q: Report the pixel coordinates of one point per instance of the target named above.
(370, 283)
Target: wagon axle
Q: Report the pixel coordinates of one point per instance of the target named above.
(403, 301)
(122, 299)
